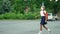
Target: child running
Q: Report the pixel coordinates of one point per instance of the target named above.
(44, 18)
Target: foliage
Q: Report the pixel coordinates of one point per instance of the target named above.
(19, 16)
(14, 9)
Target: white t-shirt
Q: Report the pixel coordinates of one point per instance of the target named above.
(41, 13)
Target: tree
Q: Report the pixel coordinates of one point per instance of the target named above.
(6, 5)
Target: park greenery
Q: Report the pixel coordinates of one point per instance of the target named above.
(26, 9)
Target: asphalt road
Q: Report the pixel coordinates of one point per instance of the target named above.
(27, 27)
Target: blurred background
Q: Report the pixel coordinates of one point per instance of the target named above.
(27, 9)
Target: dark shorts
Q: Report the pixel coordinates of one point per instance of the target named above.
(42, 20)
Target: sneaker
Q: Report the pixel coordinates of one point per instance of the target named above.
(49, 31)
(40, 32)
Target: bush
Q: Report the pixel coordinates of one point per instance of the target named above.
(2, 16)
(19, 16)
(9, 16)
(29, 16)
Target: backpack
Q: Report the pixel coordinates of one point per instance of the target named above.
(46, 15)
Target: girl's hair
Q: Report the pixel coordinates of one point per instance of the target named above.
(42, 7)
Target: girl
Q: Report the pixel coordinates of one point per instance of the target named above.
(44, 18)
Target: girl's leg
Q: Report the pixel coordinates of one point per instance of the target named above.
(45, 27)
(40, 29)
(49, 32)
